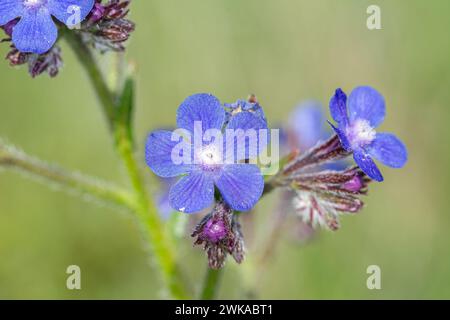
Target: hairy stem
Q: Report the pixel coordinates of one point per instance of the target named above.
(162, 248)
(210, 284)
(11, 157)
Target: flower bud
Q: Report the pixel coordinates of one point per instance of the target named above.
(220, 234)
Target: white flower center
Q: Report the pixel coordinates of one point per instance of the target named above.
(360, 133)
(210, 155)
(33, 3)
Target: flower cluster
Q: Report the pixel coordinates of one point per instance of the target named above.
(320, 189)
(33, 33)
(314, 176)
(306, 127)
(107, 28)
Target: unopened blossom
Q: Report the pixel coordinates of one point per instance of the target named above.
(322, 197)
(107, 28)
(36, 32)
(220, 234)
(306, 127)
(357, 120)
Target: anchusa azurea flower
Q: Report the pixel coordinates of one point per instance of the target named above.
(220, 234)
(213, 167)
(208, 160)
(321, 194)
(33, 33)
(357, 120)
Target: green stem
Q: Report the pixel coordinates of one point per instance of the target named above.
(211, 284)
(161, 244)
(14, 158)
(162, 248)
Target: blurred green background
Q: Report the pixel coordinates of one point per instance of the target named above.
(284, 51)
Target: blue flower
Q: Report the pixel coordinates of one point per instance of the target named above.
(162, 198)
(307, 127)
(240, 184)
(36, 31)
(250, 105)
(357, 119)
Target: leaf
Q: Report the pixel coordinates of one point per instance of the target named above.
(125, 108)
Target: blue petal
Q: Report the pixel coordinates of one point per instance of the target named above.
(338, 107)
(342, 137)
(368, 104)
(9, 10)
(201, 107)
(36, 32)
(192, 193)
(365, 162)
(69, 11)
(307, 123)
(158, 154)
(245, 126)
(389, 150)
(241, 186)
(161, 197)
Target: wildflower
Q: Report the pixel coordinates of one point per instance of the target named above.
(220, 233)
(240, 184)
(307, 127)
(357, 119)
(36, 32)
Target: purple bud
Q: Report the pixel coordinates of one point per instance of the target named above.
(215, 231)
(220, 234)
(354, 185)
(50, 62)
(107, 28)
(97, 13)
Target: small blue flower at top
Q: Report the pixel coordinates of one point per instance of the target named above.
(240, 184)
(36, 31)
(357, 119)
(307, 127)
(250, 105)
